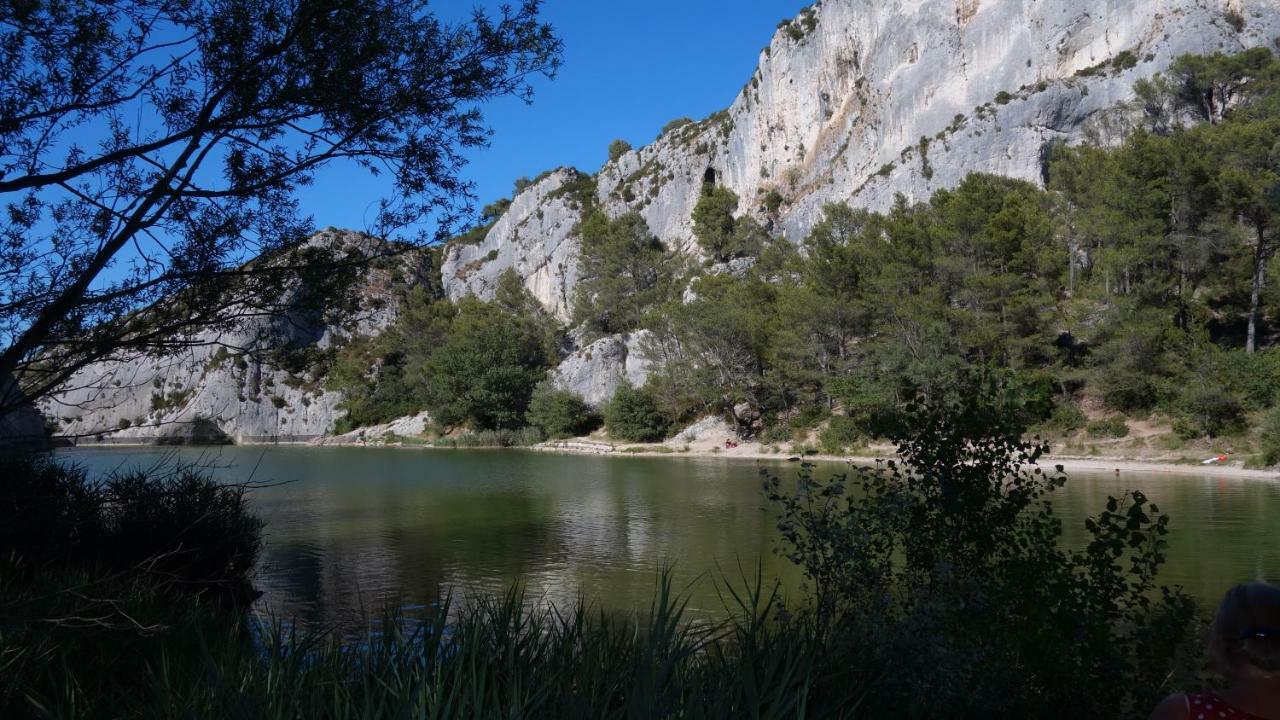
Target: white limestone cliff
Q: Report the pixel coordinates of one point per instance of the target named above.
(229, 385)
(860, 100)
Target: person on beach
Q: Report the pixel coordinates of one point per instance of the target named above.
(1244, 645)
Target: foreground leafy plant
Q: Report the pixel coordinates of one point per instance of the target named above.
(948, 568)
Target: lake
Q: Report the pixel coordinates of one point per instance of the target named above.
(352, 530)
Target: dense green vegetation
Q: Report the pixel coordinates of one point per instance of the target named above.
(948, 568)
(634, 414)
(559, 413)
(472, 363)
(624, 272)
(617, 149)
(722, 235)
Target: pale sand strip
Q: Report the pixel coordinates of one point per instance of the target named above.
(754, 451)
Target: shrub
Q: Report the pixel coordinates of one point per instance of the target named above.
(500, 438)
(634, 414)
(617, 149)
(947, 571)
(1003, 98)
(1112, 427)
(1271, 438)
(560, 413)
(842, 432)
(776, 434)
(675, 125)
(1127, 389)
(195, 533)
(773, 201)
(1254, 378)
(1124, 60)
(1208, 411)
(713, 221)
(1066, 417)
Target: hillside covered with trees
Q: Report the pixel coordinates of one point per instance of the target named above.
(1140, 283)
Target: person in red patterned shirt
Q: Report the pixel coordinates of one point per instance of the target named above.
(1244, 645)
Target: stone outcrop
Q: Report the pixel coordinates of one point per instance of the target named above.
(412, 426)
(535, 237)
(596, 371)
(231, 386)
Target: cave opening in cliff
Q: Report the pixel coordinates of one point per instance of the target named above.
(709, 177)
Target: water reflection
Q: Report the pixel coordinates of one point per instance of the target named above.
(364, 529)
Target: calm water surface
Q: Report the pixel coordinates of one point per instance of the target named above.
(357, 529)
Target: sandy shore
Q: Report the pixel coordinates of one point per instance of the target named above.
(755, 451)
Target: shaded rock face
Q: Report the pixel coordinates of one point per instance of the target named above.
(230, 386)
(860, 100)
(21, 425)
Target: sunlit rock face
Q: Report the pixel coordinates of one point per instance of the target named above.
(535, 237)
(858, 101)
(597, 370)
(232, 386)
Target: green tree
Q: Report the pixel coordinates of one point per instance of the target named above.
(1249, 183)
(948, 570)
(1209, 85)
(624, 271)
(634, 415)
(722, 341)
(560, 413)
(229, 110)
(713, 222)
(512, 296)
(484, 372)
(371, 372)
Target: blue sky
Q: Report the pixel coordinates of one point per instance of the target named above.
(629, 67)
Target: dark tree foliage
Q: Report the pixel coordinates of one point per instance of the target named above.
(624, 272)
(484, 371)
(617, 149)
(560, 413)
(149, 149)
(947, 570)
(633, 414)
(713, 221)
(178, 528)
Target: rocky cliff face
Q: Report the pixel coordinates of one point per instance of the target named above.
(535, 237)
(853, 101)
(246, 385)
(859, 100)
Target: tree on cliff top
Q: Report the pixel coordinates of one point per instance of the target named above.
(149, 148)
